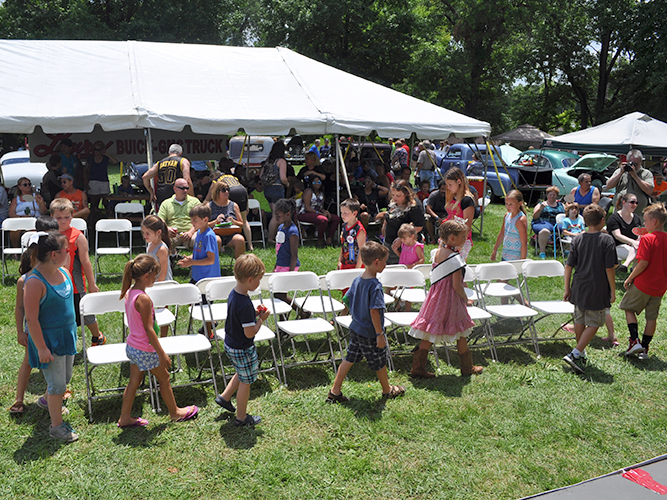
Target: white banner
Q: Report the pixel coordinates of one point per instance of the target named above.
(130, 145)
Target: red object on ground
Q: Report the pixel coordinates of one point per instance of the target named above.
(643, 478)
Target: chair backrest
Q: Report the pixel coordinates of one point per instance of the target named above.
(425, 269)
(518, 264)
(203, 283)
(101, 303)
(605, 202)
(469, 276)
(339, 280)
(113, 226)
(293, 281)
(543, 268)
(407, 278)
(80, 224)
(396, 266)
(174, 295)
(264, 282)
(560, 218)
(19, 224)
(129, 208)
(496, 271)
(165, 282)
(253, 204)
(219, 290)
(25, 238)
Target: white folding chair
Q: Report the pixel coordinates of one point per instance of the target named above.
(80, 224)
(219, 291)
(547, 269)
(295, 282)
(163, 316)
(8, 226)
(253, 204)
(94, 356)
(478, 314)
(493, 276)
(564, 240)
(415, 295)
(186, 295)
(281, 307)
(302, 228)
(204, 312)
(117, 226)
(313, 305)
(133, 212)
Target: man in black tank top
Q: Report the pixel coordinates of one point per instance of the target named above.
(167, 171)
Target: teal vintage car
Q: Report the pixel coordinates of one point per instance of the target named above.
(599, 165)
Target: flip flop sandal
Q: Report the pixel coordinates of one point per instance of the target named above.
(17, 408)
(140, 422)
(68, 394)
(394, 392)
(336, 398)
(192, 413)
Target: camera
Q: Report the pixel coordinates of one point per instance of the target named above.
(628, 167)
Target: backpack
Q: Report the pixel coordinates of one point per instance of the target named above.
(269, 173)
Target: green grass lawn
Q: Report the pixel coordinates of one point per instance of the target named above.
(525, 425)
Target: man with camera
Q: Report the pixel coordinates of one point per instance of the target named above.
(632, 177)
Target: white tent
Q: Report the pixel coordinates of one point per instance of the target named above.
(635, 130)
(70, 86)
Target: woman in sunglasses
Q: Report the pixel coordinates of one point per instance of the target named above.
(312, 211)
(25, 204)
(225, 210)
(620, 225)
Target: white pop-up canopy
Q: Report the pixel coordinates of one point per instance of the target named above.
(635, 130)
(70, 86)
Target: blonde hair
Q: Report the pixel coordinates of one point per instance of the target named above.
(141, 265)
(656, 212)
(517, 195)
(247, 266)
(217, 187)
(456, 174)
(451, 227)
(407, 230)
(61, 205)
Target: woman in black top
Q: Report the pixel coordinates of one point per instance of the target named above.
(403, 209)
(620, 226)
(369, 199)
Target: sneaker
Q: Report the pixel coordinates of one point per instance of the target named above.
(44, 405)
(101, 340)
(634, 348)
(543, 255)
(249, 420)
(643, 355)
(575, 363)
(227, 405)
(64, 432)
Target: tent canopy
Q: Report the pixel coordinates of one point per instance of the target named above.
(523, 133)
(70, 86)
(635, 130)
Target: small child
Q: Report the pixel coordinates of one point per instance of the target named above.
(573, 224)
(514, 232)
(156, 236)
(648, 281)
(49, 311)
(353, 236)
(367, 338)
(205, 260)
(241, 327)
(593, 288)
(424, 190)
(28, 261)
(411, 251)
(287, 244)
(143, 348)
(125, 188)
(444, 315)
(79, 265)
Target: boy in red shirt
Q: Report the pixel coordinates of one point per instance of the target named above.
(648, 281)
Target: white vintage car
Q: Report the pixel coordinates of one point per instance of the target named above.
(15, 165)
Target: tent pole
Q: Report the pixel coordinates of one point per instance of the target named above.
(149, 156)
(338, 158)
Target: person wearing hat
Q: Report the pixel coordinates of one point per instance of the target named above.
(76, 196)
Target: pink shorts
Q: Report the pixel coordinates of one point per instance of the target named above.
(284, 269)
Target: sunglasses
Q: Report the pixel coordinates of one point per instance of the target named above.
(224, 190)
(632, 202)
(26, 184)
(184, 188)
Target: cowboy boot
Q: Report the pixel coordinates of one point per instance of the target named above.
(419, 360)
(467, 368)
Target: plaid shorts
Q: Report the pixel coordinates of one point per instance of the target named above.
(245, 363)
(362, 347)
(144, 360)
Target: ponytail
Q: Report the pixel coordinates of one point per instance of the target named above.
(155, 224)
(136, 268)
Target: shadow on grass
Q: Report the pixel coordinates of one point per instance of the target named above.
(653, 364)
(449, 385)
(139, 437)
(593, 374)
(515, 354)
(237, 438)
(309, 376)
(367, 409)
(39, 445)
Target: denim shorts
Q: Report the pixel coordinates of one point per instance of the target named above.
(144, 360)
(274, 193)
(245, 363)
(58, 373)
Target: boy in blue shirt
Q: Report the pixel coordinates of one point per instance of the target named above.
(205, 260)
(367, 338)
(241, 326)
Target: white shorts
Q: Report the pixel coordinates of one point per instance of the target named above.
(98, 188)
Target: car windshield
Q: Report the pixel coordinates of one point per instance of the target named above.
(568, 162)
